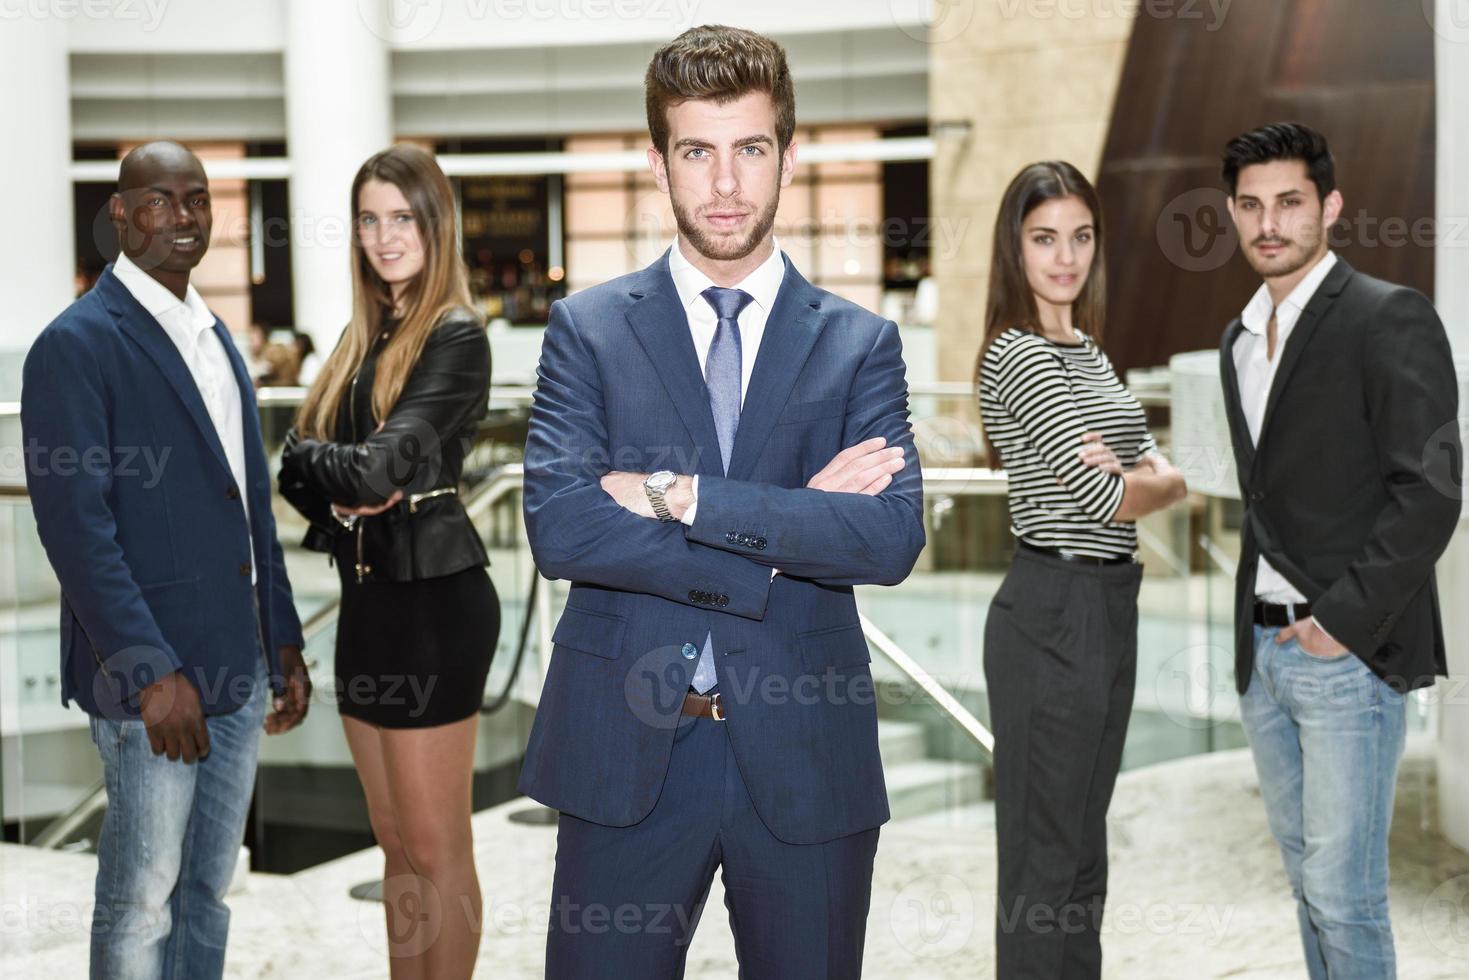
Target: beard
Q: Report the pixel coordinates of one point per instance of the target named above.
(725, 248)
(1297, 254)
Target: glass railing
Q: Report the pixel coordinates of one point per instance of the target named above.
(926, 636)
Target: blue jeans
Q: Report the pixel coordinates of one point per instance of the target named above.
(1327, 735)
(169, 845)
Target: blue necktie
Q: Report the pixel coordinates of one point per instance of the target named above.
(722, 374)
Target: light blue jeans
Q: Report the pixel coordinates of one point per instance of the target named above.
(168, 847)
(1327, 736)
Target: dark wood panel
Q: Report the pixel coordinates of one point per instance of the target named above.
(1361, 71)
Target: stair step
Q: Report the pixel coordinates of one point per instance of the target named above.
(930, 785)
(900, 742)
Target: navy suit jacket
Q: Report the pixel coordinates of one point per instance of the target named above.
(620, 388)
(140, 516)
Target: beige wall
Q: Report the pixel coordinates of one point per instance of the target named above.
(1033, 84)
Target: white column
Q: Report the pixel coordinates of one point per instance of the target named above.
(338, 113)
(1452, 298)
(37, 255)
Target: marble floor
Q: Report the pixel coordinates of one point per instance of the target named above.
(1197, 891)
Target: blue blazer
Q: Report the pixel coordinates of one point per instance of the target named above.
(140, 516)
(620, 387)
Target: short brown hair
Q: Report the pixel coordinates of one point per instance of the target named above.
(722, 64)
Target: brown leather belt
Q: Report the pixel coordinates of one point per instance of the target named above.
(703, 706)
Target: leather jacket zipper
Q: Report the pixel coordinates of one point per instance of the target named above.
(361, 569)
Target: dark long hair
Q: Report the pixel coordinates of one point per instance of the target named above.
(1011, 301)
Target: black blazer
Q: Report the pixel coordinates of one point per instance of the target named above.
(1353, 490)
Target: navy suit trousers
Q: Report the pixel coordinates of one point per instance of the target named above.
(626, 900)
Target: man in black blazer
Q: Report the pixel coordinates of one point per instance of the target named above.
(1342, 401)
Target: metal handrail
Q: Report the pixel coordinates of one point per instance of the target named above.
(942, 699)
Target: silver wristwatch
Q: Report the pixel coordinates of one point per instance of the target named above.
(655, 486)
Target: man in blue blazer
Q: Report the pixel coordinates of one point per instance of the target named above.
(709, 702)
(148, 478)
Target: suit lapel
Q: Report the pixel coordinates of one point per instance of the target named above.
(1239, 427)
(659, 322)
(791, 331)
(1300, 337)
(146, 332)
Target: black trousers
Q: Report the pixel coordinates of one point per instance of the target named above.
(1060, 659)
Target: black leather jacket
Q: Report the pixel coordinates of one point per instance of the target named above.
(420, 451)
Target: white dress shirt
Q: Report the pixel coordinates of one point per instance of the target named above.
(1256, 371)
(190, 325)
(762, 284)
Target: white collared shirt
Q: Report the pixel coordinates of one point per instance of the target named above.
(762, 284)
(190, 325)
(1256, 370)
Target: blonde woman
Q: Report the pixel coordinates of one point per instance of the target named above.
(374, 464)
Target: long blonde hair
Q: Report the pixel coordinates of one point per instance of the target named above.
(441, 286)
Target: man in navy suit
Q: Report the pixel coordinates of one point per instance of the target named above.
(148, 477)
(709, 702)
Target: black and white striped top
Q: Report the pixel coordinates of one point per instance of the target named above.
(1037, 398)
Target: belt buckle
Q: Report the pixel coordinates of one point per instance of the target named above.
(716, 706)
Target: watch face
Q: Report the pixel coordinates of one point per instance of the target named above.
(661, 480)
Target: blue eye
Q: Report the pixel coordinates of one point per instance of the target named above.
(690, 155)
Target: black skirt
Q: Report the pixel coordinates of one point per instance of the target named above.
(415, 654)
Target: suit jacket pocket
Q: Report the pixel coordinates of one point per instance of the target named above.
(599, 634)
(836, 646)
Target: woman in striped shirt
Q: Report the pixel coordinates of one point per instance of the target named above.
(1060, 652)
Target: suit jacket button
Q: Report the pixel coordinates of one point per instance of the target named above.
(759, 544)
(1257, 496)
(730, 537)
(233, 493)
(690, 651)
(724, 600)
(244, 568)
